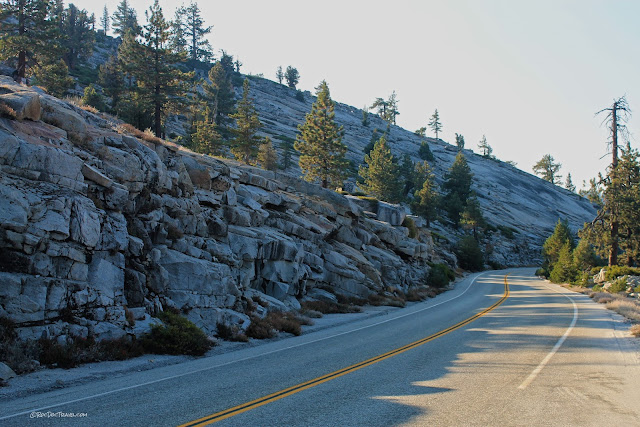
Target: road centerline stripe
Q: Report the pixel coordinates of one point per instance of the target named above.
(236, 410)
(555, 348)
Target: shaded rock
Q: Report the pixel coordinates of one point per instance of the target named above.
(58, 114)
(26, 104)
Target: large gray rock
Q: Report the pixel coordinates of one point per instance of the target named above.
(58, 114)
(25, 104)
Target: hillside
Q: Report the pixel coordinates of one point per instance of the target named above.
(509, 197)
(100, 227)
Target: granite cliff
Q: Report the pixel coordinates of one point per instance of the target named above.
(96, 223)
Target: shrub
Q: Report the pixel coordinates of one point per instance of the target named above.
(350, 300)
(300, 96)
(425, 152)
(469, 254)
(230, 333)
(325, 307)
(617, 270)
(276, 321)
(626, 308)
(635, 330)
(440, 275)
(620, 285)
(390, 300)
(411, 225)
(507, 232)
(597, 288)
(176, 335)
(541, 272)
(92, 98)
(419, 294)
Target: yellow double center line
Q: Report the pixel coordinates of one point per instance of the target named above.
(218, 416)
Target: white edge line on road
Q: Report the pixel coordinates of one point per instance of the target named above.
(555, 348)
(183, 374)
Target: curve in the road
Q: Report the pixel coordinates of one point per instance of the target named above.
(219, 416)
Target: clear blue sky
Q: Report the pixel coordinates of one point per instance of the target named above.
(529, 75)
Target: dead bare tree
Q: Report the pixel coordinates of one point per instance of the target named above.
(615, 119)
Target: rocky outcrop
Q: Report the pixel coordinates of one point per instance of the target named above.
(98, 228)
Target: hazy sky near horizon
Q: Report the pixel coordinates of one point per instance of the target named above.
(530, 75)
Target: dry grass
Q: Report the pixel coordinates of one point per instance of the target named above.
(635, 330)
(325, 307)
(420, 294)
(132, 130)
(629, 309)
(276, 321)
(6, 111)
(602, 297)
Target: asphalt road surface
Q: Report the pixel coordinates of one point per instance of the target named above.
(502, 348)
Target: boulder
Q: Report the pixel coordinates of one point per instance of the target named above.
(58, 114)
(393, 214)
(6, 372)
(25, 104)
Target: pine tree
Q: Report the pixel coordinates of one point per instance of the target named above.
(78, 36)
(564, 270)
(267, 156)
(471, 216)
(553, 245)
(246, 143)
(53, 76)
(617, 116)
(548, 169)
(29, 35)
(435, 124)
(158, 77)
(219, 93)
(485, 148)
(425, 152)
(279, 74)
(406, 171)
(93, 98)
(205, 139)
(125, 19)
(568, 184)
(178, 40)
(104, 20)
(392, 109)
(382, 105)
(426, 197)
(322, 153)
(458, 188)
(584, 257)
(365, 116)
(286, 145)
(594, 192)
(195, 32)
(381, 175)
(292, 77)
(460, 142)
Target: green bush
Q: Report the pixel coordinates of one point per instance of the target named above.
(620, 270)
(469, 254)
(620, 285)
(176, 335)
(440, 275)
(507, 232)
(425, 152)
(93, 98)
(597, 288)
(541, 272)
(411, 225)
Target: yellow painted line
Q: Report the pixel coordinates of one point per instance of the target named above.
(219, 416)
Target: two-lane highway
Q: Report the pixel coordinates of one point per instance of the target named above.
(503, 348)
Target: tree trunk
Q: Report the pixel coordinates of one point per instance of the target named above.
(22, 55)
(613, 254)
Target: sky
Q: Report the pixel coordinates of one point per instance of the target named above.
(529, 75)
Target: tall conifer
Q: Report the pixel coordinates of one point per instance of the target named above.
(246, 143)
(381, 175)
(322, 153)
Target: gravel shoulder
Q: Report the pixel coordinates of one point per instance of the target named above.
(50, 379)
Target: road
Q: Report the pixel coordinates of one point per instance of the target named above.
(485, 353)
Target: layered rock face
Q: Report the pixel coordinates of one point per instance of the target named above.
(509, 197)
(95, 224)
